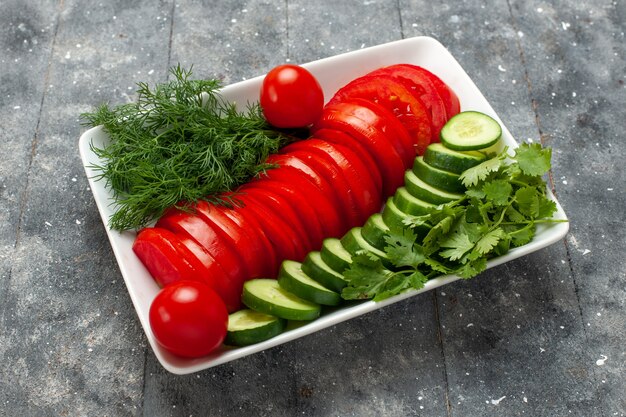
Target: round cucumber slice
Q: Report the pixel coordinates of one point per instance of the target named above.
(439, 156)
(393, 217)
(410, 204)
(470, 130)
(335, 255)
(246, 327)
(292, 279)
(438, 178)
(315, 267)
(427, 192)
(267, 296)
(353, 242)
(374, 231)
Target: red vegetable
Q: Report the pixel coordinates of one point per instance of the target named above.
(291, 97)
(188, 319)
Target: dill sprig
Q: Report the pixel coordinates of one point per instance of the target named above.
(180, 142)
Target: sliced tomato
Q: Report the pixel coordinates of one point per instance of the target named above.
(325, 187)
(268, 208)
(299, 202)
(326, 167)
(423, 86)
(388, 160)
(449, 97)
(342, 138)
(260, 251)
(283, 206)
(217, 277)
(383, 120)
(193, 226)
(396, 97)
(325, 215)
(362, 189)
(166, 258)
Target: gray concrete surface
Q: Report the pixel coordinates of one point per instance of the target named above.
(540, 336)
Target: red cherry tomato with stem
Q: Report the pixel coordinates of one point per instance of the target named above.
(291, 97)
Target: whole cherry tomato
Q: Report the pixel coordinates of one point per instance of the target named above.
(291, 97)
(188, 319)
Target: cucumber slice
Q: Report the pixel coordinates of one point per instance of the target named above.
(393, 217)
(335, 255)
(438, 178)
(410, 204)
(354, 243)
(267, 296)
(315, 267)
(246, 327)
(439, 156)
(427, 192)
(292, 279)
(470, 130)
(375, 230)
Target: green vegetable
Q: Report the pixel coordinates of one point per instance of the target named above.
(180, 142)
(506, 198)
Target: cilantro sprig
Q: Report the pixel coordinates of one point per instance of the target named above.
(506, 198)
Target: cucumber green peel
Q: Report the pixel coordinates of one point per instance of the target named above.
(505, 200)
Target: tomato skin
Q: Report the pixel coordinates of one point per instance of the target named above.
(342, 138)
(291, 97)
(166, 258)
(295, 174)
(188, 319)
(397, 98)
(388, 161)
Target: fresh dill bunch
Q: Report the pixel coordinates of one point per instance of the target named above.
(180, 142)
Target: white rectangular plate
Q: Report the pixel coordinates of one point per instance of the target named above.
(332, 73)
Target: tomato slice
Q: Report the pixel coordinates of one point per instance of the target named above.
(342, 138)
(259, 251)
(327, 168)
(422, 85)
(166, 258)
(269, 209)
(307, 216)
(217, 277)
(362, 189)
(337, 225)
(388, 160)
(325, 219)
(396, 97)
(385, 122)
(449, 97)
(193, 226)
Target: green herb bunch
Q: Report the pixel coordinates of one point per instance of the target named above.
(506, 198)
(179, 142)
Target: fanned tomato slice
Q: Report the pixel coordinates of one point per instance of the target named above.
(388, 160)
(323, 204)
(257, 250)
(165, 257)
(285, 185)
(217, 277)
(361, 186)
(423, 86)
(384, 121)
(284, 207)
(285, 160)
(342, 138)
(326, 167)
(269, 208)
(193, 226)
(395, 96)
(449, 97)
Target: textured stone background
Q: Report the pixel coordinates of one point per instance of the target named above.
(540, 336)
